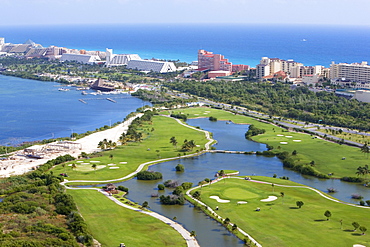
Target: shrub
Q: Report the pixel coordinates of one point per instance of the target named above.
(352, 179)
(253, 131)
(171, 183)
(356, 196)
(172, 199)
(180, 168)
(122, 188)
(161, 187)
(149, 175)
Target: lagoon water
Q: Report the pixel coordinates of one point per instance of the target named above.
(35, 110)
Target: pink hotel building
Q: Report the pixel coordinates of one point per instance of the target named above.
(217, 62)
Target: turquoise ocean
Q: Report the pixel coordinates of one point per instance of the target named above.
(33, 110)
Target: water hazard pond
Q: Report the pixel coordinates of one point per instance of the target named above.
(229, 137)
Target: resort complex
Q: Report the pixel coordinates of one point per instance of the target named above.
(206, 154)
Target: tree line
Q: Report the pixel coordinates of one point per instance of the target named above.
(280, 100)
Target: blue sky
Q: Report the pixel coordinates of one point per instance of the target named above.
(326, 12)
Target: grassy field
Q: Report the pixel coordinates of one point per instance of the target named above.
(326, 155)
(155, 145)
(111, 224)
(281, 222)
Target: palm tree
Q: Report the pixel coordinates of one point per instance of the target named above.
(365, 149)
(74, 166)
(366, 170)
(282, 197)
(226, 222)
(123, 139)
(101, 145)
(193, 234)
(111, 156)
(94, 167)
(173, 141)
(234, 228)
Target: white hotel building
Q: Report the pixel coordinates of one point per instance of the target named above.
(354, 72)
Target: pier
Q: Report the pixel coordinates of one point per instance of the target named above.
(111, 99)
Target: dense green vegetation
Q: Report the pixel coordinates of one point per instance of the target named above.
(296, 218)
(148, 175)
(253, 131)
(36, 211)
(279, 100)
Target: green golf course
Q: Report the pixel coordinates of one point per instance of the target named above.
(112, 224)
(281, 222)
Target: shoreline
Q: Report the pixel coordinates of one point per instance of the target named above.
(18, 163)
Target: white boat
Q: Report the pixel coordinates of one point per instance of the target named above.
(63, 89)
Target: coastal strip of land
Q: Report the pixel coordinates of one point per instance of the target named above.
(19, 163)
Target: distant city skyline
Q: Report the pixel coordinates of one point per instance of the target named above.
(315, 12)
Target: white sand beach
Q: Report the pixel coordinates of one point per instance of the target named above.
(18, 163)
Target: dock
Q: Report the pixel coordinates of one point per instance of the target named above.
(111, 100)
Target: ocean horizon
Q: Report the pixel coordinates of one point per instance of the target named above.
(240, 43)
(26, 118)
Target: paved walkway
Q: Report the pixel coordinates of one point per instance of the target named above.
(191, 241)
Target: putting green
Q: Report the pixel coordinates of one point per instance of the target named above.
(86, 168)
(238, 194)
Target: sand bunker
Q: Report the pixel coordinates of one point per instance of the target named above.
(89, 168)
(85, 163)
(279, 135)
(123, 162)
(219, 200)
(80, 161)
(242, 202)
(288, 136)
(114, 167)
(94, 161)
(297, 140)
(269, 199)
(283, 143)
(111, 164)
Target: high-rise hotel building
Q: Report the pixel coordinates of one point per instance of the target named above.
(355, 72)
(213, 62)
